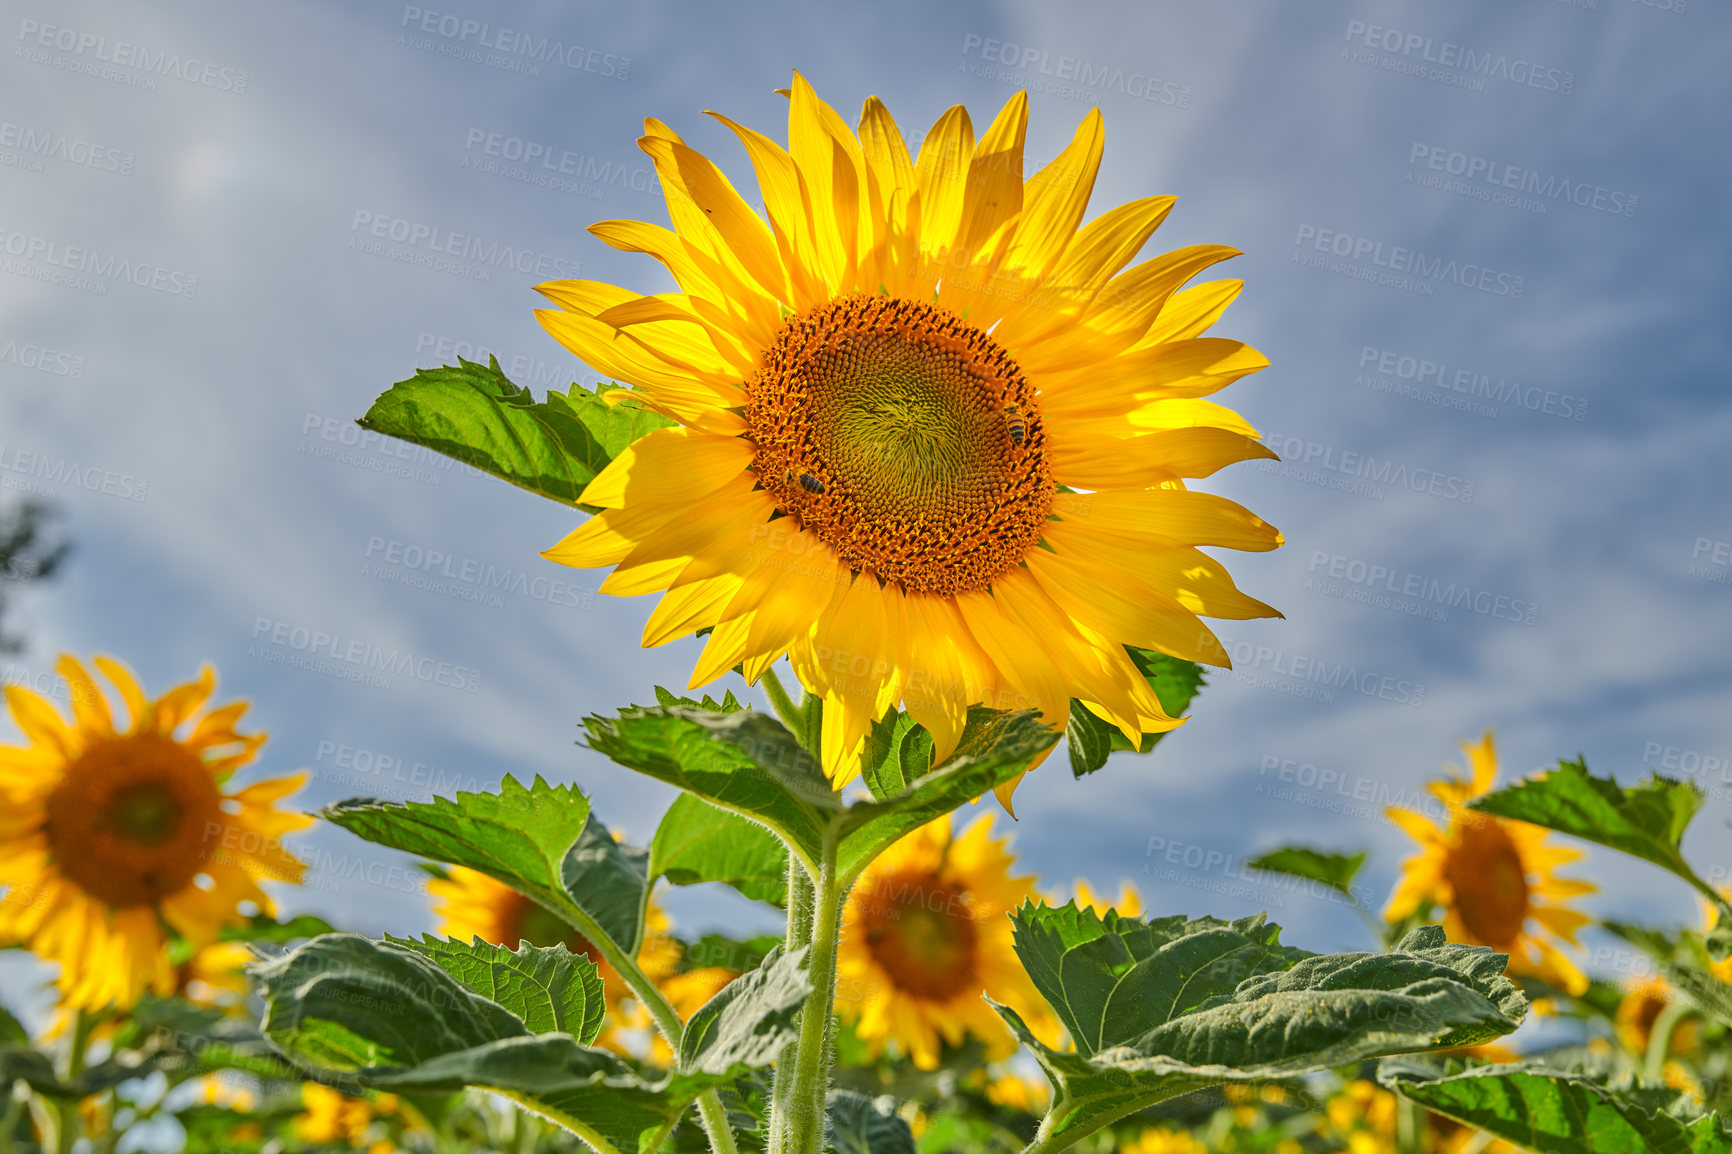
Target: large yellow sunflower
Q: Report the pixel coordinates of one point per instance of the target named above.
(1496, 880)
(112, 839)
(925, 932)
(933, 435)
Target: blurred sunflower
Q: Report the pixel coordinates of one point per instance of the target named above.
(471, 904)
(112, 840)
(1129, 903)
(1493, 879)
(924, 934)
(1640, 1008)
(328, 1117)
(891, 398)
(1162, 1140)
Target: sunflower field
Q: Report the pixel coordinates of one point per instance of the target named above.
(922, 450)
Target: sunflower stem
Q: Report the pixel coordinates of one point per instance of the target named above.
(661, 1012)
(803, 1075)
(1660, 1040)
(66, 1109)
(1409, 1126)
(792, 716)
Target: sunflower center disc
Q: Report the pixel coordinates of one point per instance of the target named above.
(921, 930)
(1490, 883)
(905, 439)
(130, 822)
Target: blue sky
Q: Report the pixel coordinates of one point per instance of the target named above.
(1485, 252)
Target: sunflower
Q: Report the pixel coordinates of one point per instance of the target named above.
(1164, 1140)
(113, 840)
(931, 442)
(1129, 904)
(471, 904)
(924, 933)
(1640, 1008)
(329, 1117)
(1493, 878)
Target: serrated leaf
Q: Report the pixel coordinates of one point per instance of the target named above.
(1335, 870)
(519, 836)
(728, 704)
(745, 762)
(1552, 1112)
(994, 749)
(699, 842)
(750, 1020)
(1164, 1007)
(1645, 821)
(898, 750)
(396, 1020)
(862, 1125)
(1088, 738)
(549, 988)
(474, 414)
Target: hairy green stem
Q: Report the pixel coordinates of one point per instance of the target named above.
(1409, 1126)
(791, 715)
(798, 1123)
(661, 1011)
(66, 1109)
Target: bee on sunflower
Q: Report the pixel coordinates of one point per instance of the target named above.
(116, 838)
(933, 435)
(1495, 880)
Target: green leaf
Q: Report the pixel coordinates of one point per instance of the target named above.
(12, 1031)
(699, 842)
(743, 762)
(1089, 739)
(728, 704)
(609, 883)
(1161, 1008)
(750, 1020)
(519, 835)
(995, 748)
(1175, 681)
(1335, 870)
(898, 750)
(396, 1020)
(862, 1125)
(473, 413)
(549, 988)
(1552, 1112)
(1646, 821)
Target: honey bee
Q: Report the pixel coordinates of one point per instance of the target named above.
(811, 484)
(1018, 427)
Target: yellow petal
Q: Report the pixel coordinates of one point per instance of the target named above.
(1152, 458)
(1187, 368)
(834, 171)
(888, 251)
(941, 170)
(1178, 515)
(1055, 199)
(89, 706)
(1189, 312)
(41, 724)
(1138, 616)
(788, 202)
(669, 465)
